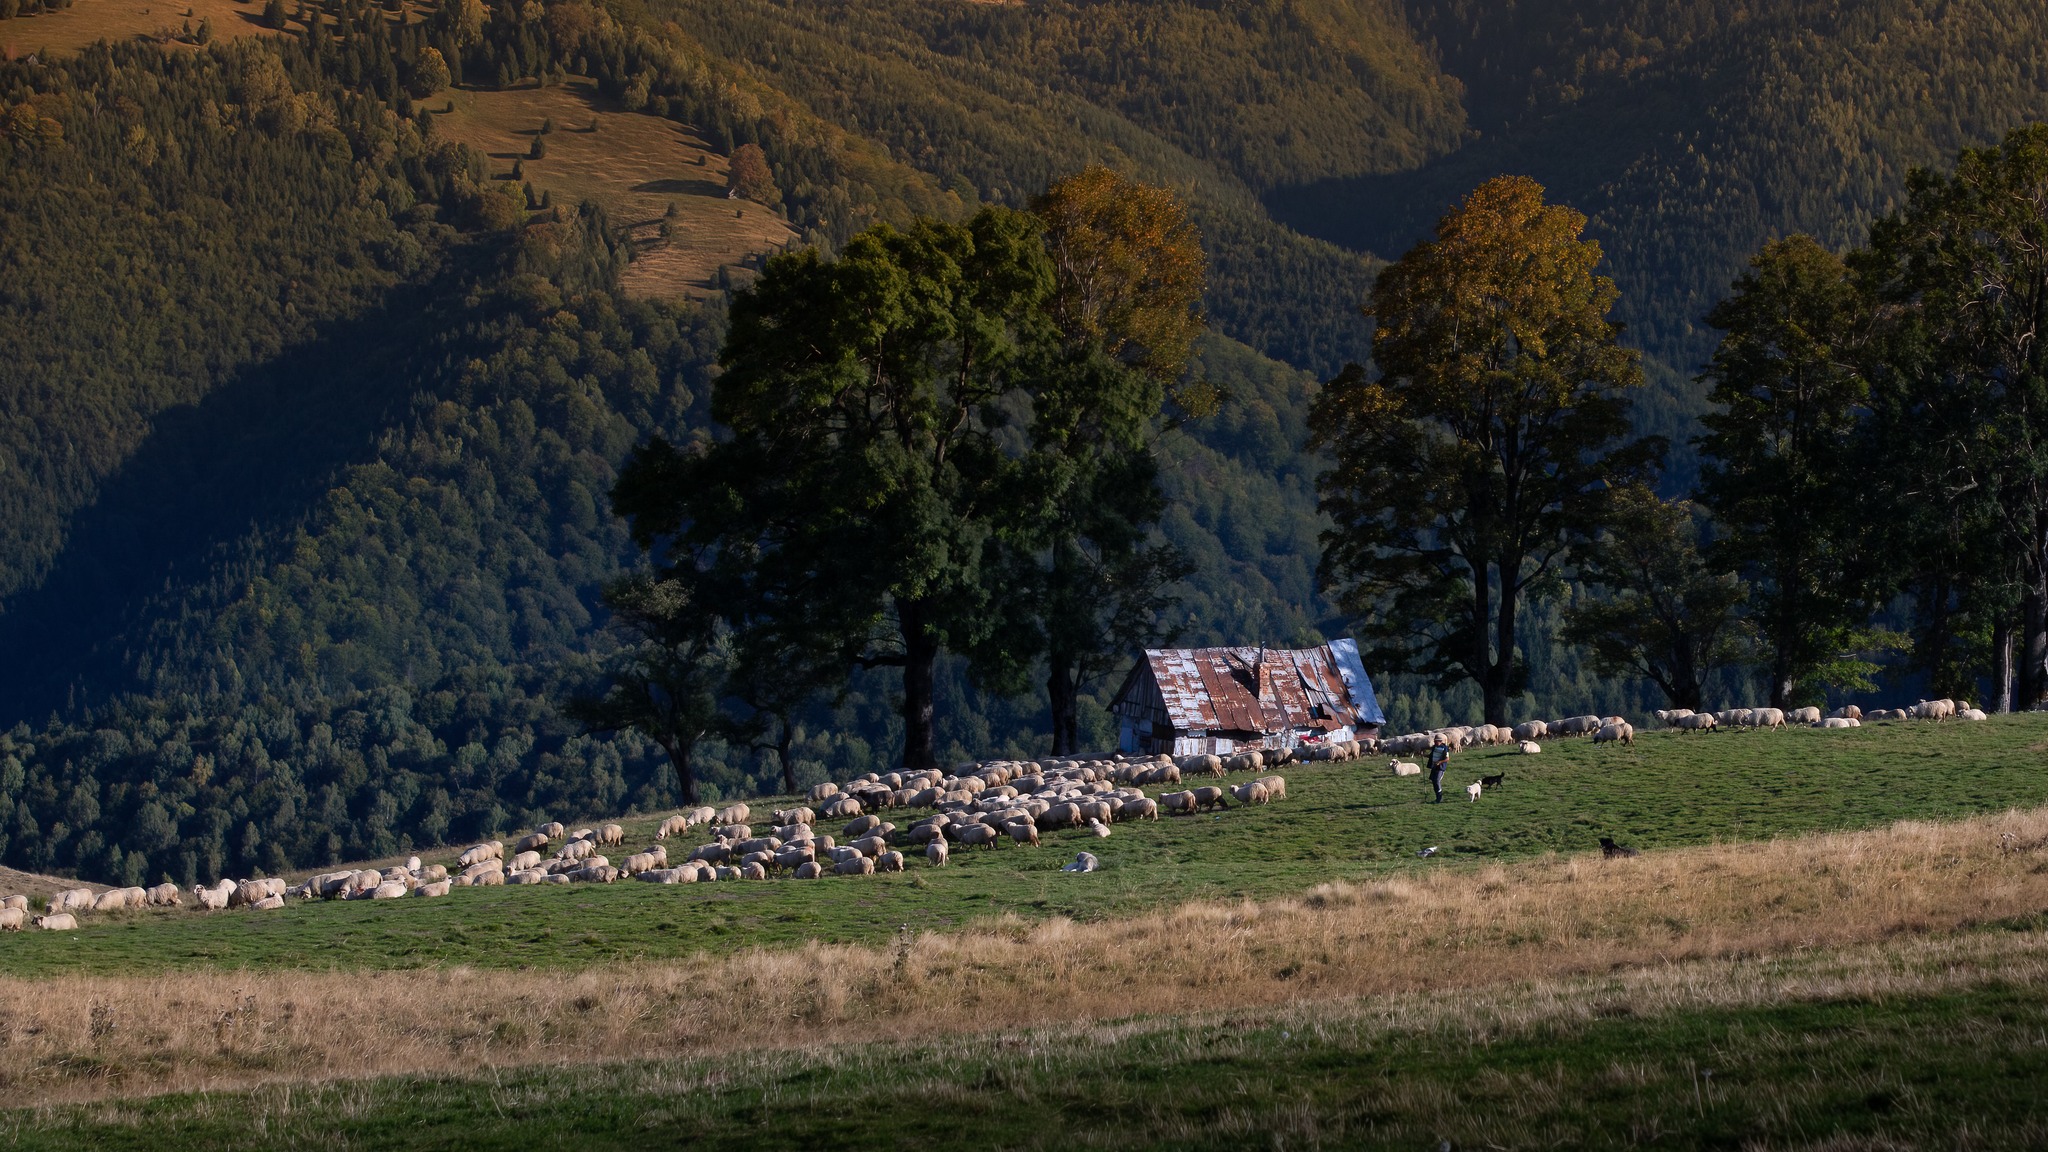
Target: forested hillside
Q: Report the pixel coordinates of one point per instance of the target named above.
(309, 421)
(1690, 134)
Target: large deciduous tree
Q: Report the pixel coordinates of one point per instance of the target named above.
(1962, 275)
(863, 472)
(1128, 279)
(1663, 613)
(667, 677)
(1788, 394)
(1482, 446)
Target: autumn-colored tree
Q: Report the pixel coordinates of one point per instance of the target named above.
(748, 175)
(1481, 449)
(429, 73)
(1087, 582)
(1131, 272)
(466, 18)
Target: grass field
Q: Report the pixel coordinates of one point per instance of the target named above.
(1349, 822)
(91, 21)
(1901, 1045)
(635, 165)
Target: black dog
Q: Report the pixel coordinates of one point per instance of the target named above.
(1493, 781)
(1610, 849)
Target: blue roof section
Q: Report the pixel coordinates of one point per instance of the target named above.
(1356, 682)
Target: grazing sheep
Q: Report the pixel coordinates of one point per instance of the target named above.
(437, 888)
(552, 830)
(611, 834)
(1533, 730)
(1531, 748)
(1697, 722)
(57, 922)
(525, 860)
(858, 866)
(1576, 726)
(533, 843)
(733, 814)
(163, 896)
(390, 890)
(481, 852)
(976, 835)
(1251, 792)
(1276, 788)
(1767, 717)
(753, 871)
(1472, 791)
(640, 862)
(935, 853)
(889, 862)
(1612, 733)
(823, 792)
(1404, 768)
(1841, 722)
(860, 826)
(603, 874)
(1806, 715)
(73, 899)
(112, 900)
(840, 808)
(268, 903)
(1023, 832)
(1083, 862)
(11, 919)
(1671, 716)
(809, 869)
(1846, 712)
(18, 903)
(213, 897)
(1141, 809)
(576, 850)
(1178, 803)
(1209, 798)
(1611, 850)
(790, 816)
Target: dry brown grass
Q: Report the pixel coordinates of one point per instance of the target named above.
(1695, 925)
(634, 165)
(88, 22)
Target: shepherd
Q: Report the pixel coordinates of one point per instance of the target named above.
(1439, 760)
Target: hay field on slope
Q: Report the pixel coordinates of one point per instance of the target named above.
(634, 165)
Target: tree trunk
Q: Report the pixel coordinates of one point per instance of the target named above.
(2002, 685)
(1061, 690)
(2033, 676)
(1500, 670)
(782, 755)
(920, 654)
(679, 757)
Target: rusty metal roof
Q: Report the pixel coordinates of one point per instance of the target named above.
(1264, 689)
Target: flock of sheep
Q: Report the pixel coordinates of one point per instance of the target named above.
(982, 806)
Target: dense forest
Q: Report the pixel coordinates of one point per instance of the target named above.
(309, 426)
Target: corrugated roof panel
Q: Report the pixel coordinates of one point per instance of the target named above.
(1263, 690)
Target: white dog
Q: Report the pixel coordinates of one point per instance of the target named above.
(1472, 790)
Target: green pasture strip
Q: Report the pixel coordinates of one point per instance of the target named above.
(1348, 821)
(1958, 1068)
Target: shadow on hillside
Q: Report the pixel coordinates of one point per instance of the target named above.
(242, 465)
(714, 188)
(1581, 155)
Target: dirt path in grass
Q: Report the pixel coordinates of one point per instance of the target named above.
(70, 1038)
